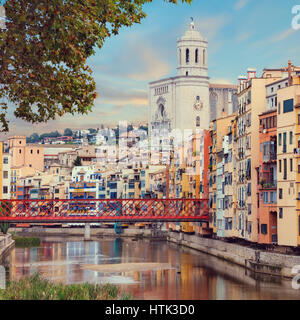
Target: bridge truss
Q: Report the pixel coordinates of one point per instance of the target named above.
(109, 210)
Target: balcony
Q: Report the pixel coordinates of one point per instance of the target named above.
(269, 157)
(268, 184)
(241, 153)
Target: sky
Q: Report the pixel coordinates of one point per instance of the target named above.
(241, 34)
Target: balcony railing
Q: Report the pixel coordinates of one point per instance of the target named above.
(269, 157)
(268, 184)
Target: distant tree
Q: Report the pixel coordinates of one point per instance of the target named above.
(77, 162)
(53, 134)
(34, 138)
(68, 132)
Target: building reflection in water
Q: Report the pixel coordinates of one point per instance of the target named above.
(193, 275)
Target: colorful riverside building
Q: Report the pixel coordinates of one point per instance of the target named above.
(267, 178)
(288, 155)
(252, 102)
(230, 179)
(220, 157)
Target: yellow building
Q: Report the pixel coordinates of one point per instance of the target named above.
(288, 167)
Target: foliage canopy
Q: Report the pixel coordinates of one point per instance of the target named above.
(43, 51)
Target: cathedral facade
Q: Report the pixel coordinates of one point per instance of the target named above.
(188, 101)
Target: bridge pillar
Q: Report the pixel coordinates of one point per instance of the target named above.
(87, 232)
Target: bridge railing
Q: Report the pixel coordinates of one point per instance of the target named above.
(100, 209)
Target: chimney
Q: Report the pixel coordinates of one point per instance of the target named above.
(251, 73)
(241, 79)
(290, 73)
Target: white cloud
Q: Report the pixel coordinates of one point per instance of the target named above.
(240, 4)
(282, 35)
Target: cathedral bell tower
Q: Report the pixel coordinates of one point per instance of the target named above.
(192, 53)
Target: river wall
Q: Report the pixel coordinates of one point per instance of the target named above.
(6, 243)
(255, 260)
(94, 232)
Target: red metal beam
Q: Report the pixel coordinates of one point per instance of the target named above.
(110, 210)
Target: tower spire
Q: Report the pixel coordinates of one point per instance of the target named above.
(192, 24)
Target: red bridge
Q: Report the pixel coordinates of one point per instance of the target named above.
(112, 210)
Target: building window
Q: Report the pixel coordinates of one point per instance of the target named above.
(288, 105)
(280, 213)
(280, 166)
(5, 160)
(280, 194)
(264, 229)
(5, 190)
(198, 121)
(180, 56)
(284, 169)
(196, 56)
(279, 139)
(5, 174)
(38, 151)
(279, 107)
(291, 165)
(31, 151)
(20, 151)
(291, 137)
(187, 56)
(204, 57)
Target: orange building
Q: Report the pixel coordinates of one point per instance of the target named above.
(25, 155)
(267, 178)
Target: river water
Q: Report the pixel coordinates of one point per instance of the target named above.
(192, 275)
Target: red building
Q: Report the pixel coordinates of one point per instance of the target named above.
(267, 178)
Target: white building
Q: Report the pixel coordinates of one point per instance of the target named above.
(182, 102)
(6, 176)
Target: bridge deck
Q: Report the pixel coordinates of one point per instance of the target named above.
(108, 210)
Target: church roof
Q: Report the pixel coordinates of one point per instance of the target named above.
(192, 33)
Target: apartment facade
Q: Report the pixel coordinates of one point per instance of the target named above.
(288, 177)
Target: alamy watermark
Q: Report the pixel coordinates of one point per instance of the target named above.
(2, 17)
(296, 18)
(295, 281)
(2, 278)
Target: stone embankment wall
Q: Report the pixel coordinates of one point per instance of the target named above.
(255, 260)
(94, 232)
(6, 242)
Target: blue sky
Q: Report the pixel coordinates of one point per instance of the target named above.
(241, 34)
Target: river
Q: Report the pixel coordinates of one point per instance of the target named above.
(192, 275)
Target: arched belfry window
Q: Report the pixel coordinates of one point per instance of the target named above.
(198, 121)
(180, 56)
(204, 57)
(187, 55)
(162, 110)
(196, 56)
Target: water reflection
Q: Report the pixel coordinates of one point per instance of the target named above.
(193, 275)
